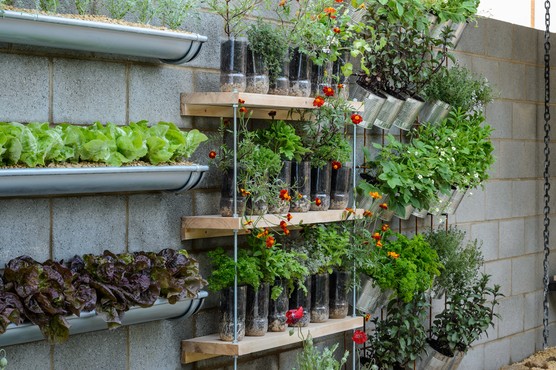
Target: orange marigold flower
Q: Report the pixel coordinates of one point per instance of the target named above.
(336, 165)
(340, 86)
(385, 227)
(286, 232)
(283, 224)
(363, 6)
(248, 222)
(367, 213)
(318, 102)
(394, 255)
(212, 154)
(244, 192)
(299, 196)
(375, 195)
(350, 211)
(356, 118)
(367, 317)
(284, 195)
(289, 217)
(377, 236)
(330, 10)
(339, 1)
(242, 110)
(241, 101)
(384, 206)
(262, 234)
(328, 91)
(270, 241)
(282, 3)
(336, 30)
(318, 202)
(379, 244)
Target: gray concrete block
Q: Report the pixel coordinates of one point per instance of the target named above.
(499, 116)
(497, 354)
(154, 93)
(512, 81)
(524, 121)
(510, 164)
(487, 233)
(474, 358)
(499, 199)
(525, 274)
(512, 238)
(88, 91)
(210, 25)
(530, 162)
(164, 336)
(206, 322)
(524, 45)
(155, 220)
(522, 345)
(206, 202)
(490, 69)
(267, 363)
(287, 360)
(472, 207)
(25, 229)
(500, 271)
(533, 308)
(524, 194)
(511, 316)
(25, 90)
(473, 39)
(533, 234)
(496, 46)
(99, 350)
(206, 81)
(88, 225)
(535, 83)
(19, 357)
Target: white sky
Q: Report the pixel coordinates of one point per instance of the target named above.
(518, 11)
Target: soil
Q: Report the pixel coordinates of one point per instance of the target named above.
(541, 360)
(93, 18)
(256, 327)
(94, 164)
(226, 331)
(324, 206)
(301, 205)
(320, 314)
(339, 312)
(338, 204)
(300, 88)
(230, 87)
(281, 208)
(304, 321)
(257, 85)
(277, 323)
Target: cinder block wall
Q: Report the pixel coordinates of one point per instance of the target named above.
(65, 86)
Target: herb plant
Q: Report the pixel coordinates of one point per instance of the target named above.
(49, 6)
(266, 41)
(174, 12)
(311, 358)
(282, 139)
(145, 10)
(83, 6)
(118, 9)
(224, 269)
(233, 13)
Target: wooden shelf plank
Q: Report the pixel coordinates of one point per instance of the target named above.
(219, 104)
(210, 345)
(198, 227)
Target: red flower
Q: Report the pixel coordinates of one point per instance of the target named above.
(336, 30)
(356, 118)
(359, 337)
(385, 227)
(318, 102)
(367, 213)
(284, 195)
(367, 317)
(330, 10)
(289, 217)
(286, 232)
(339, 1)
(379, 244)
(242, 110)
(270, 241)
(293, 316)
(376, 236)
(318, 202)
(212, 154)
(336, 165)
(241, 101)
(383, 206)
(283, 225)
(328, 91)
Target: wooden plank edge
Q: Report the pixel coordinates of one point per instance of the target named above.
(190, 357)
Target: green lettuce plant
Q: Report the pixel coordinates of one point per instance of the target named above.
(223, 272)
(282, 139)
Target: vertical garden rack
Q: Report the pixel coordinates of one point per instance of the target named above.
(225, 104)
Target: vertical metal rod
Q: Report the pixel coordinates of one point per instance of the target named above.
(354, 203)
(235, 105)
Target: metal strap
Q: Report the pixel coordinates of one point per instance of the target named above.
(546, 233)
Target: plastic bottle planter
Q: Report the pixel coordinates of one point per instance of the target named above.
(232, 64)
(457, 29)
(257, 80)
(226, 329)
(320, 301)
(388, 112)
(283, 180)
(434, 112)
(320, 187)
(277, 309)
(299, 298)
(421, 213)
(371, 297)
(300, 85)
(455, 200)
(256, 318)
(256, 207)
(338, 290)
(408, 113)
(280, 85)
(434, 360)
(320, 77)
(358, 93)
(372, 105)
(301, 186)
(341, 88)
(439, 206)
(227, 196)
(340, 187)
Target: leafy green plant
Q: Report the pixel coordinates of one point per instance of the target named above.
(118, 9)
(174, 12)
(224, 269)
(233, 13)
(282, 139)
(468, 314)
(145, 10)
(47, 5)
(36, 144)
(460, 88)
(461, 260)
(453, 10)
(267, 42)
(400, 338)
(83, 6)
(311, 358)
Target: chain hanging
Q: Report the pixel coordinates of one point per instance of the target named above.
(546, 233)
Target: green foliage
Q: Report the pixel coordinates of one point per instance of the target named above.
(325, 246)
(311, 358)
(174, 12)
(118, 9)
(233, 13)
(469, 312)
(145, 10)
(461, 260)
(401, 337)
(281, 138)
(83, 6)
(224, 269)
(36, 144)
(457, 11)
(460, 88)
(266, 41)
(49, 6)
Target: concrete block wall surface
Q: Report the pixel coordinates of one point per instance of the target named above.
(42, 84)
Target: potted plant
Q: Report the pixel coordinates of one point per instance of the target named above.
(311, 358)
(468, 313)
(222, 279)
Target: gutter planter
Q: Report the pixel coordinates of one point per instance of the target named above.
(92, 321)
(76, 34)
(57, 181)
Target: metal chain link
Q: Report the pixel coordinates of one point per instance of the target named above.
(546, 233)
